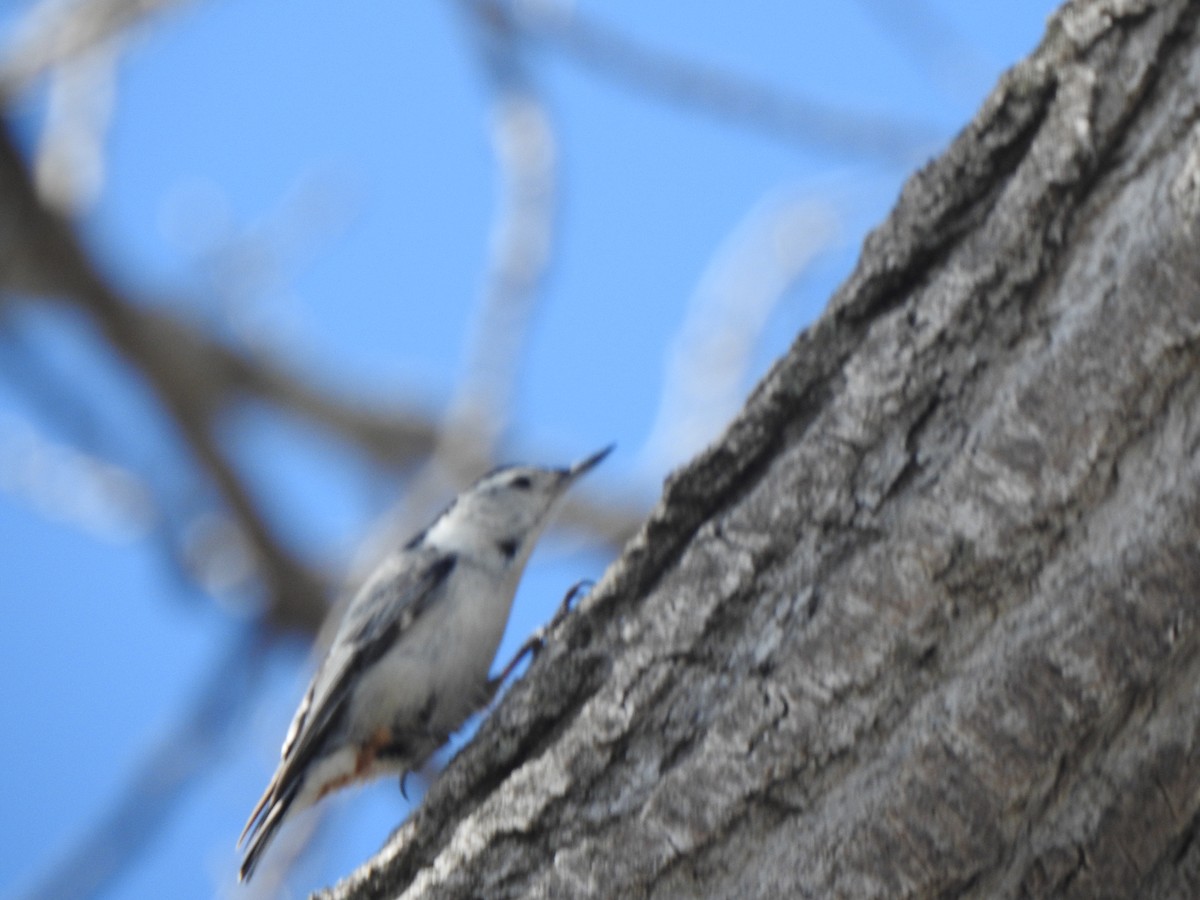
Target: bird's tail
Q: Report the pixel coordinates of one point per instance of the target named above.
(268, 815)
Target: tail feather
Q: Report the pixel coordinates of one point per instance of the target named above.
(264, 822)
(268, 794)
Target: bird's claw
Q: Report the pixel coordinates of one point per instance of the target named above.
(537, 640)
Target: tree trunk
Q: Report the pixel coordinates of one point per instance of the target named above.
(924, 621)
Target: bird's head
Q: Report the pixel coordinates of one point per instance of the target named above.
(507, 509)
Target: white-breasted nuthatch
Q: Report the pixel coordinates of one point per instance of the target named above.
(409, 663)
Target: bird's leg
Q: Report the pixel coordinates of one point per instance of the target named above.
(538, 639)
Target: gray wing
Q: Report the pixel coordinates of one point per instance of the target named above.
(385, 607)
(388, 603)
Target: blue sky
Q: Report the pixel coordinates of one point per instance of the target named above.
(351, 140)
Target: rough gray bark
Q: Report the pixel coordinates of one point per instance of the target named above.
(924, 621)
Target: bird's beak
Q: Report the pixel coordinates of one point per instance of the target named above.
(586, 465)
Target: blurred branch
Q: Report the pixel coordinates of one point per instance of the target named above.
(58, 31)
(40, 254)
(70, 156)
(198, 378)
(711, 357)
(67, 485)
(395, 436)
(162, 780)
(933, 44)
(521, 239)
(725, 95)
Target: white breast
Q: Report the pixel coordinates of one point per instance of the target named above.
(447, 654)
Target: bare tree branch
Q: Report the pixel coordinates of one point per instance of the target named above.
(519, 252)
(933, 44)
(39, 253)
(522, 234)
(58, 31)
(718, 93)
(198, 379)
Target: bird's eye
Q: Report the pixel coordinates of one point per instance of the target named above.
(521, 482)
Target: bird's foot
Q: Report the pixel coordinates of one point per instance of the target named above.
(537, 640)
